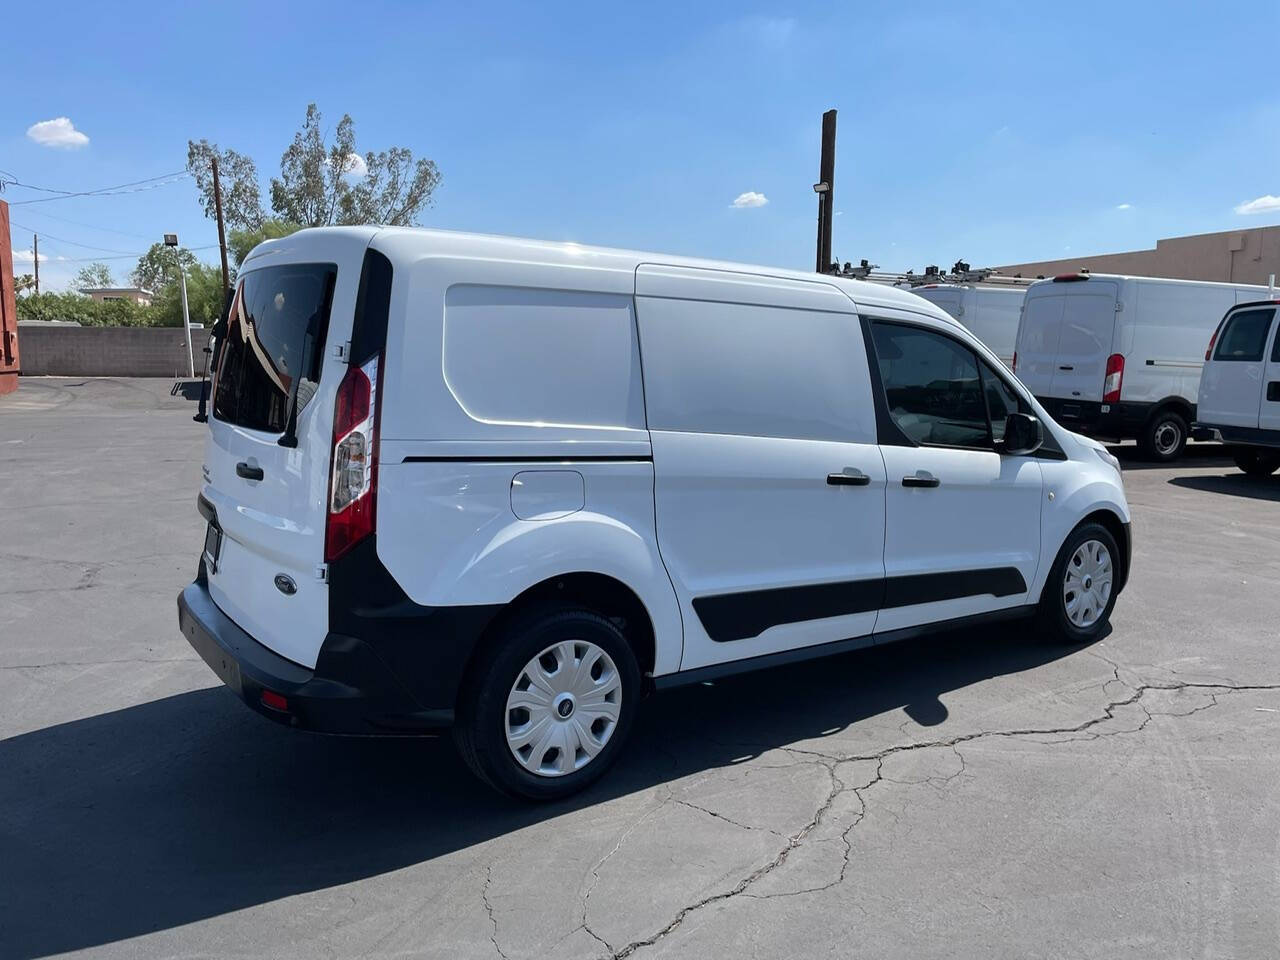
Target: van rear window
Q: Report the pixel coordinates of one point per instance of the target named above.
(275, 333)
(1245, 336)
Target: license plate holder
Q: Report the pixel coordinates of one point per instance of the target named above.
(212, 546)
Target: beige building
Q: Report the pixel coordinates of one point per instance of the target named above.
(104, 294)
(1235, 256)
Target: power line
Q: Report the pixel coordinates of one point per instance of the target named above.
(89, 226)
(135, 186)
(74, 243)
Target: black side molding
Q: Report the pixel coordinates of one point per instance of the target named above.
(740, 616)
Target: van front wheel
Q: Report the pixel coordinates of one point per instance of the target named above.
(1255, 462)
(1164, 437)
(1081, 590)
(549, 707)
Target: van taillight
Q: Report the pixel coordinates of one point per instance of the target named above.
(1212, 340)
(353, 465)
(1115, 376)
(1015, 361)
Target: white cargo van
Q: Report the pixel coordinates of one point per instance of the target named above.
(511, 487)
(990, 313)
(1240, 386)
(1119, 357)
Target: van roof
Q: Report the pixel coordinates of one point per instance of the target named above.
(1041, 284)
(413, 242)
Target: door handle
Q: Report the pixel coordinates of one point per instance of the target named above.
(247, 472)
(1066, 368)
(1273, 391)
(919, 481)
(848, 479)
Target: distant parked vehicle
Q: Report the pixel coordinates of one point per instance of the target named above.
(990, 313)
(1239, 401)
(1119, 357)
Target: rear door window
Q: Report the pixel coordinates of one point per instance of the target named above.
(1245, 336)
(275, 334)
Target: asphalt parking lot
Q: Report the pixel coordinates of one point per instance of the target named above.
(968, 794)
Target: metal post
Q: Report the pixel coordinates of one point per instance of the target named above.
(825, 188)
(35, 252)
(186, 322)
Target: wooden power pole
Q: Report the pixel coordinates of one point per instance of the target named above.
(222, 236)
(825, 188)
(35, 255)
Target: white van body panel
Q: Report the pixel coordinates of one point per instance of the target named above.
(1233, 392)
(990, 313)
(1161, 328)
(277, 525)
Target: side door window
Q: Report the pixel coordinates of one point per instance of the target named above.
(932, 387)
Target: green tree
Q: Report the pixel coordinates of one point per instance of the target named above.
(93, 275)
(322, 184)
(82, 310)
(158, 266)
(23, 282)
(240, 242)
(238, 178)
(204, 298)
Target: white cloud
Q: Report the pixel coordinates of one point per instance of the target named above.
(1264, 204)
(356, 167)
(839, 213)
(58, 132)
(1124, 206)
(27, 256)
(750, 199)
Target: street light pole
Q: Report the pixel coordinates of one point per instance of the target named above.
(171, 240)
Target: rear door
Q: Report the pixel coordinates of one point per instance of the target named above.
(1038, 333)
(1232, 388)
(270, 498)
(1084, 341)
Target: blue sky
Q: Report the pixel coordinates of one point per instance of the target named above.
(988, 132)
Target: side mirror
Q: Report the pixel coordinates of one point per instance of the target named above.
(1023, 435)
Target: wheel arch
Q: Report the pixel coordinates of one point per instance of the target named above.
(1120, 531)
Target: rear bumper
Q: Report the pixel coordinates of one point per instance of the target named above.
(1118, 421)
(1239, 436)
(351, 691)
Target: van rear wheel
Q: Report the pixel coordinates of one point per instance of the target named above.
(1255, 462)
(550, 704)
(1164, 437)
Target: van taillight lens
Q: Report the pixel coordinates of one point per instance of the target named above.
(353, 471)
(1115, 376)
(1015, 361)
(1212, 340)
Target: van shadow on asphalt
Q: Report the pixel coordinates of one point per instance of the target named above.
(1233, 485)
(189, 807)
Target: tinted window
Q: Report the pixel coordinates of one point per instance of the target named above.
(1245, 336)
(1275, 349)
(279, 314)
(932, 386)
(1001, 401)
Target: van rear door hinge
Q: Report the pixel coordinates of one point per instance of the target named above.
(322, 572)
(343, 351)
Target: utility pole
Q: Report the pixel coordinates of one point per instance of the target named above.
(825, 189)
(35, 252)
(222, 236)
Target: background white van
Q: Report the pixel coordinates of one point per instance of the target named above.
(1240, 386)
(1119, 357)
(990, 313)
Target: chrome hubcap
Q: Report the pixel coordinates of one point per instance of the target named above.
(1167, 437)
(563, 708)
(1086, 588)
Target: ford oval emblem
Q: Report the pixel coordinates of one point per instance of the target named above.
(286, 585)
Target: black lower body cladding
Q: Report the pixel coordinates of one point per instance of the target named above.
(1119, 421)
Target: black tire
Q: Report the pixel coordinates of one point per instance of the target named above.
(480, 724)
(1255, 462)
(1164, 436)
(1054, 622)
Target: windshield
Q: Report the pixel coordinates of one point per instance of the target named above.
(277, 324)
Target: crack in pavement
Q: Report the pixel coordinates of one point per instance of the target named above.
(99, 663)
(488, 908)
(831, 761)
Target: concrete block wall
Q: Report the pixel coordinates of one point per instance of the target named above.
(58, 351)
